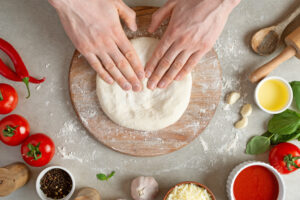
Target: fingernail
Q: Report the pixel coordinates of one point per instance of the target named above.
(136, 87)
(109, 80)
(177, 78)
(148, 74)
(151, 85)
(162, 84)
(141, 75)
(126, 86)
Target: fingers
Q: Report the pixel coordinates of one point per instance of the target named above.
(159, 52)
(160, 15)
(130, 54)
(163, 66)
(175, 68)
(96, 64)
(110, 66)
(125, 68)
(127, 14)
(190, 64)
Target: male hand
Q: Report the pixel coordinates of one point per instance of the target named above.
(193, 29)
(95, 29)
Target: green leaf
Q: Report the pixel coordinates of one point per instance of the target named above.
(276, 139)
(258, 145)
(296, 92)
(284, 123)
(111, 175)
(267, 134)
(102, 177)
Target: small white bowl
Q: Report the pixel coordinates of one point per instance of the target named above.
(285, 83)
(38, 183)
(236, 171)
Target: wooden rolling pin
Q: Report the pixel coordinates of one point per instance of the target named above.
(293, 49)
(13, 177)
(87, 194)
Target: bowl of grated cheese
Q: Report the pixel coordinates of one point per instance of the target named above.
(189, 190)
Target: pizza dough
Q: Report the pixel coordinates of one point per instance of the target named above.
(146, 110)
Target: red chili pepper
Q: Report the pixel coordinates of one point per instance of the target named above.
(11, 75)
(19, 65)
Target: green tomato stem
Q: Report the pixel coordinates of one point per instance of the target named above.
(26, 81)
(9, 131)
(1, 96)
(290, 161)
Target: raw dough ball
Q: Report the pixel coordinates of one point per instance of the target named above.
(144, 188)
(146, 110)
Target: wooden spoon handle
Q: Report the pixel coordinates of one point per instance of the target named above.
(264, 70)
(282, 25)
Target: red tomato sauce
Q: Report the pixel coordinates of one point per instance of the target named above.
(255, 183)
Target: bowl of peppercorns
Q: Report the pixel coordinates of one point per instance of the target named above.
(55, 183)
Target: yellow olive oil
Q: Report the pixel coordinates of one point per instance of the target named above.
(273, 95)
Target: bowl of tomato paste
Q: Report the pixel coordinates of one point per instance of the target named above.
(253, 180)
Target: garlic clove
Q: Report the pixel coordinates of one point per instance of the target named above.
(246, 110)
(144, 188)
(242, 123)
(232, 98)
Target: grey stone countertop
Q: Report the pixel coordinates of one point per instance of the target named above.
(35, 30)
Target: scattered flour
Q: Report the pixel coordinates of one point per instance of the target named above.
(204, 144)
(68, 155)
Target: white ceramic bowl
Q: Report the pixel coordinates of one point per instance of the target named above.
(235, 172)
(38, 185)
(290, 91)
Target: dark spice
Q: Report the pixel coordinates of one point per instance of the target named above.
(56, 184)
(269, 43)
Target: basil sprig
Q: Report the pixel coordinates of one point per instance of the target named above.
(282, 127)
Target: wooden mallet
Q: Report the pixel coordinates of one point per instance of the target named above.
(293, 49)
(13, 177)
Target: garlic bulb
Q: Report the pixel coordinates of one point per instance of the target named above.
(144, 188)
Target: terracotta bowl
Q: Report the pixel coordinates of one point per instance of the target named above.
(191, 182)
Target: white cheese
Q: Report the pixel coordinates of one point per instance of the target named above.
(189, 192)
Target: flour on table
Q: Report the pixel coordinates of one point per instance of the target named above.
(146, 110)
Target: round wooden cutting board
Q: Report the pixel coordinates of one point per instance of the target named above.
(206, 92)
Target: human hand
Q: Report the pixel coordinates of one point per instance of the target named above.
(193, 29)
(95, 29)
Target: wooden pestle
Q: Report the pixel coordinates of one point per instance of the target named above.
(13, 177)
(293, 49)
(87, 194)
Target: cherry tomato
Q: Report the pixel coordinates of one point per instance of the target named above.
(8, 98)
(38, 150)
(14, 129)
(285, 157)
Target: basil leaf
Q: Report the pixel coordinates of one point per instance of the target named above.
(284, 123)
(258, 145)
(276, 139)
(267, 134)
(111, 175)
(102, 177)
(296, 92)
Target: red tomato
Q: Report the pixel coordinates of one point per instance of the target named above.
(285, 157)
(38, 150)
(14, 129)
(8, 98)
